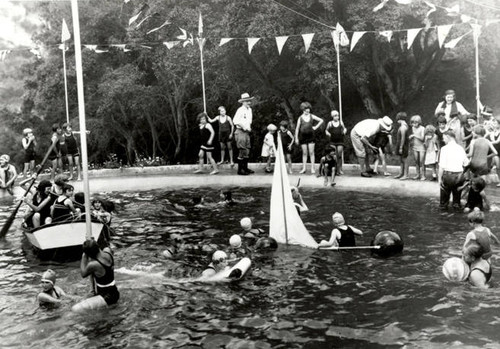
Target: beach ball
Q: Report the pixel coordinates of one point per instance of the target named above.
(390, 243)
(455, 269)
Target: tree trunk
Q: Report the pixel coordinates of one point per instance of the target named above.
(384, 76)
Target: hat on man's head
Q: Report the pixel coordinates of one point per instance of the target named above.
(386, 122)
(27, 130)
(487, 111)
(245, 97)
(5, 158)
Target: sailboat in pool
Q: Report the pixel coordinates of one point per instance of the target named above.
(285, 224)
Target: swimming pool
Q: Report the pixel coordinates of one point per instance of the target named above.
(294, 298)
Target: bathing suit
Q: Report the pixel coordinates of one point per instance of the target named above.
(204, 137)
(56, 152)
(71, 145)
(44, 211)
(332, 163)
(474, 200)
(336, 134)
(61, 212)
(62, 145)
(53, 293)
(483, 266)
(224, 130)
(306, 132)
(403, 143)
(105, 284)
(346, 237)
(483, 240)
(286, 139)
(29, 153)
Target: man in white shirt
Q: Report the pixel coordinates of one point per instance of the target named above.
(452, 160)
(242, 120)
(360, 135)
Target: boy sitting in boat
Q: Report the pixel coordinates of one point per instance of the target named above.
(63, 207)
(343, 235)
(8, 174)
(51, 294)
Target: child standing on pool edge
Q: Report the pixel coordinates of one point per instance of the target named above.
(304, 134)
(206, 138)
(287, 141)
(335, 131)
(226, 131)
(269, 147)
(343, 235)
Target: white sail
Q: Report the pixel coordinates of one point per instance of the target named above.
(285, 224)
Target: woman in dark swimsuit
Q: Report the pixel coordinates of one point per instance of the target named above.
(100, 265)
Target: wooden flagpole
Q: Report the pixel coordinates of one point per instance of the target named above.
(201, 43)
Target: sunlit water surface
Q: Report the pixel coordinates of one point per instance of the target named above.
(293, 298)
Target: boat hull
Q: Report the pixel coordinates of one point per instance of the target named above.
(63, 235)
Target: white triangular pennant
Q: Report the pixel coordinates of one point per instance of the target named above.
(453, 11)
(412, 34)
(380, 6)
(224, 41)
(201, 42)
(442, 33)
(280, 42)
(344, 40)
(387, 34)
(404, 2)
(134, 18)
(65, 34)
(171, 44)
(476, 31)
(454, 42)
(161, 26)
(251, 43)
(355, 38)
(307, 40)
(184, 35)
(91, 47)
(121, 47)
(432, 6)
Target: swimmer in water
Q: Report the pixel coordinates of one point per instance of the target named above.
(51, 294)
(266, 243)
(480, 268)
(237, 248)
(249, 233)
(98, 264)
(343, 235)
(298, 201)
(219, 263)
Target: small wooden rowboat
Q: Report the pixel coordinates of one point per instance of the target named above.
(66, 234)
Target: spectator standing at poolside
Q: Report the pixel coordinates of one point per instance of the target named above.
(467, 130)
(402, 145)
(242, 120)
(418, 146)
(73, 153)
(450, 106)
(55, 154)
(269, 147)
(360, 135)
(431, 150)
(441, 129)
(207, 135)
(29, 144)
(482, 153)
(452, 160)
(335, 131)
(304, 134)
(226, 131)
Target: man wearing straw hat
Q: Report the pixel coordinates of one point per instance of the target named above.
(242, 120)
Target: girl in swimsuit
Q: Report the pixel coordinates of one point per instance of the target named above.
(51, 294)
(226, 131)
(480, 268)
(304, 134)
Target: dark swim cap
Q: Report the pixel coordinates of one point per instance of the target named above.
(43, 184)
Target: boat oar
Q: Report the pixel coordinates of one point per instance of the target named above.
(9, 221)
(352, 248)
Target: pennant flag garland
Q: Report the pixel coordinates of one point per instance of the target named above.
(167, 22)
(387, 34)
(404, 2)
(184, 35)
(442, 33)
(454, 42)
(65, 34)
(121, 47)
(251, 43)
(171, 44)
(280, 42)
(432, 6)
(380, 6)
(453, 11)
(412, 34)
(224, 41)
(307, 40)
(134, 18)
(143, 20)
(355, 38)
(3, 54)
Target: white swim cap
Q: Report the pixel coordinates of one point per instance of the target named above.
(49, 276)
(219, 256)
(246, 223)
(338, 219)
(455, 269)
(235, 241)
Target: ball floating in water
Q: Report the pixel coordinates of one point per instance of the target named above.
(266, 244)
(455, 269)
(390, 243)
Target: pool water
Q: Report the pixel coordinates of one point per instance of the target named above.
(293, 298)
